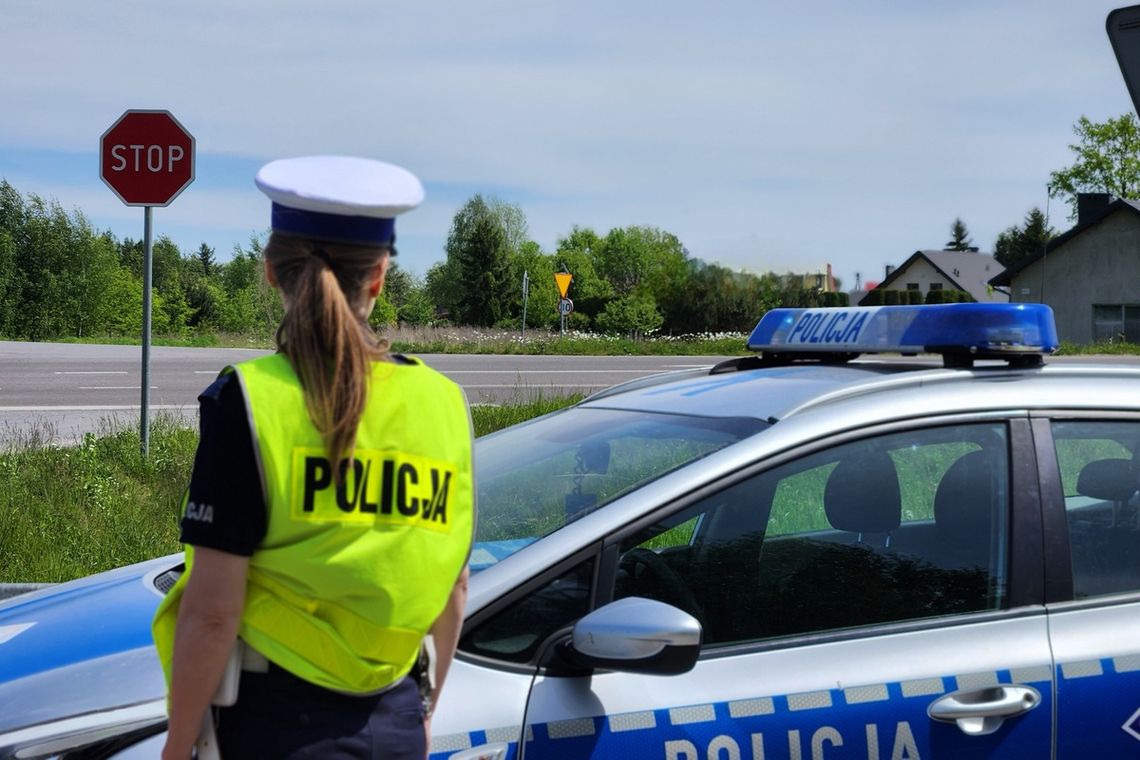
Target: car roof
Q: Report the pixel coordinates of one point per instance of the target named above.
(774, 393)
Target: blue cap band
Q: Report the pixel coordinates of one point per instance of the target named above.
(359, 230)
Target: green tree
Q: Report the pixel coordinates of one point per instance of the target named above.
(634, 315)
(122, 304)
(1107, 160)
(511, 218)
(444, 287)
(205, 257)
(643, 262)
(93, 268)
(589, 290)
(718, 299)
(204, 296)
(477, 243)
(240, 313)
(398, 284)
(63, 268)
(9, 284)
(959, 237)
(251, 305)
(636, 259)
(169, 279)
(408, 296)
(418, 309)
(166, 262)
(383, 314)
(542, 301)
(1018, 243)
(243, 270)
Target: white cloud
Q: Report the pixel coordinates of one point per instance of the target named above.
(832, 131)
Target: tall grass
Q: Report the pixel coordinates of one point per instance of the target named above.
(475, 340)
(487, 418)
(1108, 347)
(69, 511)
(412, 339)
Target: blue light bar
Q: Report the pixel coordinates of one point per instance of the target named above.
(980, 330)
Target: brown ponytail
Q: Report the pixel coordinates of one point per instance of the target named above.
(328, 341)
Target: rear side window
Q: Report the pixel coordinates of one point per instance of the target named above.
(1099, 477)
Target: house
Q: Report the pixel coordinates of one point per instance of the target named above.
(1090, 275)
(820, 280)
(969, 271)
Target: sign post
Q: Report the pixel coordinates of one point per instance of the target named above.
(565, 309)
(565, 305)
(147, 159)
(526, 294)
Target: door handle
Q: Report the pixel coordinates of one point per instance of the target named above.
(982, 711)
(496, 751)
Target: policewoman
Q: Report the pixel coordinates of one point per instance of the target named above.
(329, 516)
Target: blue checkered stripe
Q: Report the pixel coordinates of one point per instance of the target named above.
(1072, 671)
(621, 729)
(1098, 707)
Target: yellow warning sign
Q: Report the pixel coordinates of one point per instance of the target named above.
(563, 279)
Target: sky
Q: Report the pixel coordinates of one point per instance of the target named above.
(768, 136)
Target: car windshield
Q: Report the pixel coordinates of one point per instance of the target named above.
(536, 477)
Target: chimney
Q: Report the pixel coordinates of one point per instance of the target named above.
(1091, 205)
(830, 281)
(890, 268)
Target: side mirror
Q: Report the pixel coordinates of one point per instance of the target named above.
(635, 635)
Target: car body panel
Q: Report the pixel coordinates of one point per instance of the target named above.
(99, 615)
(1097, 652)
(783, 702)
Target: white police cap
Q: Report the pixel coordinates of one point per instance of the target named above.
(339, 198)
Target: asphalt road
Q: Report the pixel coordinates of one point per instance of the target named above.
(60, 391)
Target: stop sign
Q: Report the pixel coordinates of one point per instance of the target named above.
(147, 158)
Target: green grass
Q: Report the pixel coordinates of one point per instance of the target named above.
(69, 511)
(476, 340)
(488, 418)
(182, 340)
(471, 340)
(1119, 348)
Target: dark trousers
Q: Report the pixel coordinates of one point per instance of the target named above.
(278, 715)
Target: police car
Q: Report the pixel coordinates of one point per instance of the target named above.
(795, 554)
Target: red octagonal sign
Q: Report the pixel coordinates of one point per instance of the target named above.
(147, 158)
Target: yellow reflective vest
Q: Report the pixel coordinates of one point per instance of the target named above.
(352, 571)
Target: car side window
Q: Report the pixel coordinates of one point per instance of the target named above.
(895, 527)
(1099, 475)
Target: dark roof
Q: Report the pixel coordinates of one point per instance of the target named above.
(1006, 277)
(970, 271)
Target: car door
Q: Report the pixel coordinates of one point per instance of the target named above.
(873, 598)
(1093, 515)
